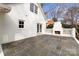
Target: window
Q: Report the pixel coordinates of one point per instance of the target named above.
(21, 24)
(33, 8)
(39, 28)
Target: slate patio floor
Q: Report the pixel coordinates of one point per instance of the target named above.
(42, 45)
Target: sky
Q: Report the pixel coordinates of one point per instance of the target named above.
(48, 6)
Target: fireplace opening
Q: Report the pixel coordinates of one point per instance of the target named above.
(57, 32)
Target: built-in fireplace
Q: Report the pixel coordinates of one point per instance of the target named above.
(57, 32)
(57, 29)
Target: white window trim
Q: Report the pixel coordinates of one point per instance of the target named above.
(19, 24)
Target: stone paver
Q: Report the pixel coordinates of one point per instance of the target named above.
(42, 45)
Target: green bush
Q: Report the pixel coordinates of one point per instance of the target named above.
(54, 19)
(77, 30)
(50, 26)
(67, 26)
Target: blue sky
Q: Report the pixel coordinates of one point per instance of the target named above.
(48, 6)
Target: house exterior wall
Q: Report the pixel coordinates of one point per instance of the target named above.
(9, 27)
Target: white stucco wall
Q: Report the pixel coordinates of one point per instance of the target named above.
(57, 27)
(9, 30)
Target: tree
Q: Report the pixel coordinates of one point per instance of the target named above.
(73, 13)
(54, 19)
(67, 22)
(42, 4)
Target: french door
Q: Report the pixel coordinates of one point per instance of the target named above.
(39, 28)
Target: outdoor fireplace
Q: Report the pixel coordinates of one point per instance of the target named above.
(57, 29)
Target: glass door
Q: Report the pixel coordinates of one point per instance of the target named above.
(39, 28)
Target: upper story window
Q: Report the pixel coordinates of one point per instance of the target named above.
(33, 8)
(21, 23)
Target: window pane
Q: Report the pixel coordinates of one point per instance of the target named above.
(22, 26)
(36, 9)
(40, 27)
(19, 26)
(22, 22)
(37, 28)
(19, 22)
(32, 7)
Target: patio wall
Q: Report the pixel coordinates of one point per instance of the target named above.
(49, 31)
(70, 32)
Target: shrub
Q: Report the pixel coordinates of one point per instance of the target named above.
(50, 26)
(77, 28)
(54, 19)
(67, 26)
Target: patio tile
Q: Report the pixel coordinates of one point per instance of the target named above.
(42, 45)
